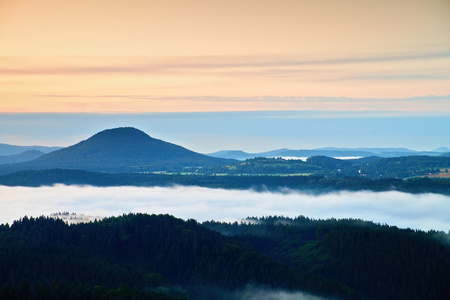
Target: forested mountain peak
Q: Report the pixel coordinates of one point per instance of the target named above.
(124, 149)
(125, 141)
(120, 133)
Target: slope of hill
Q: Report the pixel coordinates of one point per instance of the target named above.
(22, 157)
(119, 150)
(380, 262)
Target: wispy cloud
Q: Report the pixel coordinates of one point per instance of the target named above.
(291, 99)
(222, 83)
(422, 104)
(142, 65)
(426, 211)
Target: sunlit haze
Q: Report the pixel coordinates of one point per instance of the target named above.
(176, 56)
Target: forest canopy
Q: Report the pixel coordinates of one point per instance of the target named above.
(149, 254)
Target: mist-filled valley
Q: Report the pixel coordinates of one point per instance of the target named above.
(416, 211)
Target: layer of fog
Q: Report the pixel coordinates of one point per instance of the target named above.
(267, 294)
(306, 158)
(423, 211)
(250, 292)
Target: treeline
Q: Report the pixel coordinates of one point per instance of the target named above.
(378, 261)
(376, 167)
(312, 183)
(73, 291)
(142, 252)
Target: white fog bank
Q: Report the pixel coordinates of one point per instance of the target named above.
(423, 211)
(266, 294)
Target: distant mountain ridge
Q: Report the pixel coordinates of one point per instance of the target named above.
(124, 149)
(7, 149)
(328, 151)
(22, 157)
(442, 149)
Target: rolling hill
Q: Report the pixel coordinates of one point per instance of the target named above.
(7, 149)
(123, 149)
(22, 157)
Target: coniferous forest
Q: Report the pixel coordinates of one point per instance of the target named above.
(139, 256)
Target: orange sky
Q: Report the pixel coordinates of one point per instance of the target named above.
(149, 56)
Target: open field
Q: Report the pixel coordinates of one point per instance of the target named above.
(443, 173)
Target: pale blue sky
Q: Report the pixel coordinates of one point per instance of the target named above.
(248, 131)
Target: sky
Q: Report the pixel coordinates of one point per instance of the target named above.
(254, 75)
(116, 56)
(253, 132)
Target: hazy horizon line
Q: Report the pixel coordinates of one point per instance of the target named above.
(250, 131)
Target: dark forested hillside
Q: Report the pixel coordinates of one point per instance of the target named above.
(141, 256)
(380, 262)
(143, 252)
